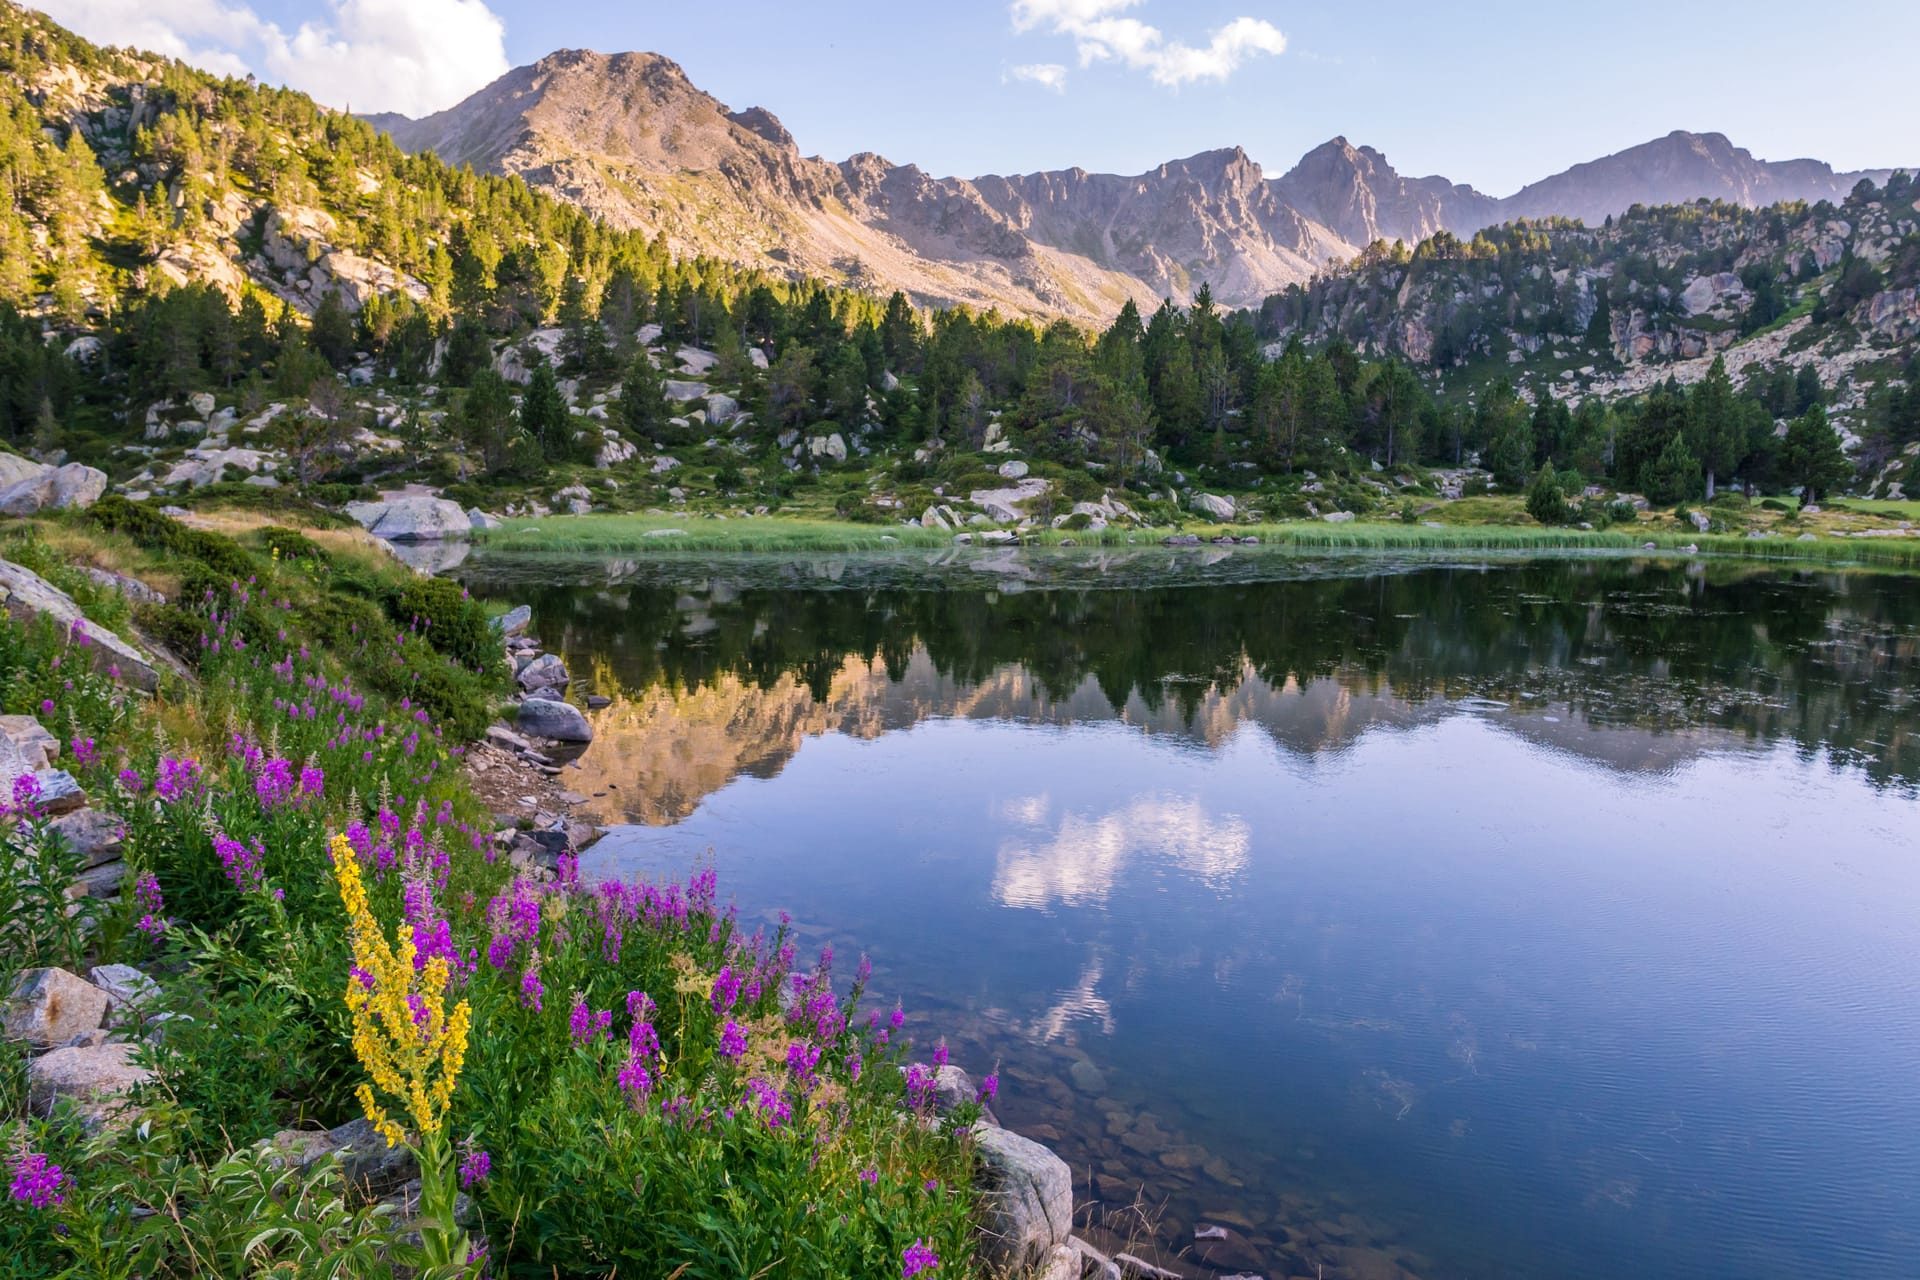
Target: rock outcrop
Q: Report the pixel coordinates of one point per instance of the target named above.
(26, 596)
(412, 518)
(1026, 1199)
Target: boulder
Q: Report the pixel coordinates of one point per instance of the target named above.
(515, 621)
(412, 519)
(1003, 505)
(372, 1168)
(201, 402)
(722, 409)
(124, 986)
(14, 469)
(932, 519)
(544, 674)
(683, 392)
(54, 489)
(1013, 470)
(97, 837)
(95, 1077)
(1061, 1264)
(51, 1006)
(1025, 1199)
(59, 793)
(558, 721)
(36, 745)
(1213, 506)
(478, 519)
(833, 447)
(614, 451)
(1338, 517)
(25, 595)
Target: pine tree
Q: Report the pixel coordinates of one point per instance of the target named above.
(544, 416)
(1812, 458)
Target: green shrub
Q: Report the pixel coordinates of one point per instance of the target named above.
(294, 545)
(1545, 502)
(174, 628)
(451, 621)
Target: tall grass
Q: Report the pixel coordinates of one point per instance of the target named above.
(627, 534)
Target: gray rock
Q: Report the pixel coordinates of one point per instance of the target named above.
(38, 747)
(596, 701)
(506, 739)
(543, 674)
(832, 447)
(14, 469)
(1132, 1268)
(201, 402)
(97, 837)
(297, 1148)
(614, 451)
(132, 588)
(1062, 1264)
(54, 489)
(124, 985)
(478, 519)
(101, 883)
(515, 621)
(683, 392)
(722, 409)
(59, 793)
(1213, 506)
(413, 519)
(1338, 517)
(52, 1006)
(558, 721)
(1013, 470)
(932, 519)
(25, 595)
(1026, 1199)
(95, 1077)
(372, 1168)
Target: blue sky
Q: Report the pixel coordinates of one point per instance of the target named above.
(1494, 94)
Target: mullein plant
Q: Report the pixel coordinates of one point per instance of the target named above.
(412, 1047)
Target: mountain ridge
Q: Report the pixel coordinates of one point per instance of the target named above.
(631, 137)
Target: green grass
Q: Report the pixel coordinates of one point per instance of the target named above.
(630, 534)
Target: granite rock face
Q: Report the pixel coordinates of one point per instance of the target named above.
(1026, 1199)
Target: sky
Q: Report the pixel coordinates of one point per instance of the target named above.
(1494, 94)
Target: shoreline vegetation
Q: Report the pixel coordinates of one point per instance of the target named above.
(601, 534)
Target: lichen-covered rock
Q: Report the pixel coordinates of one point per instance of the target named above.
(371, 1166)
(1025, 1199)
(1213, 506)
(59, 793)
(96, 1078)
(51, 1006)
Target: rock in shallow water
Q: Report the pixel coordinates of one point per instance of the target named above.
(560, 721)
(1026, 1199)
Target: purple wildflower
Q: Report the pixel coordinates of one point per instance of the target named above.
(726, 989)
(917, 1259)
(870, 1176)
(35, 1182)
(733, 1040)
(475, 1167)
(989, 1088)
(146, 890)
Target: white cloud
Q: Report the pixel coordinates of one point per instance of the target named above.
(412, 56)
(1049, 75)
(1100, 34)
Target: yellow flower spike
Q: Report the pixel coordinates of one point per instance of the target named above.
(411, 1047)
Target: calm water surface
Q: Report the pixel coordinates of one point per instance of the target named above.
(1514, 919)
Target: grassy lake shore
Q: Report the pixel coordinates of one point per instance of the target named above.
(636, 533)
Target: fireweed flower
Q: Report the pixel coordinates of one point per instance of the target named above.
(84, 752)
(870, 1176)
(917, 1259)
(585, 1025)
(920, 1086)
(146, 891)
(177, 778)
(242, 864)
(940, 1053)
(726, 990)
(989, 1088)
(766, 1102)
(35, 1182)
(26, 795)
(733, 1040)
(475, 1166)
(132, 782)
